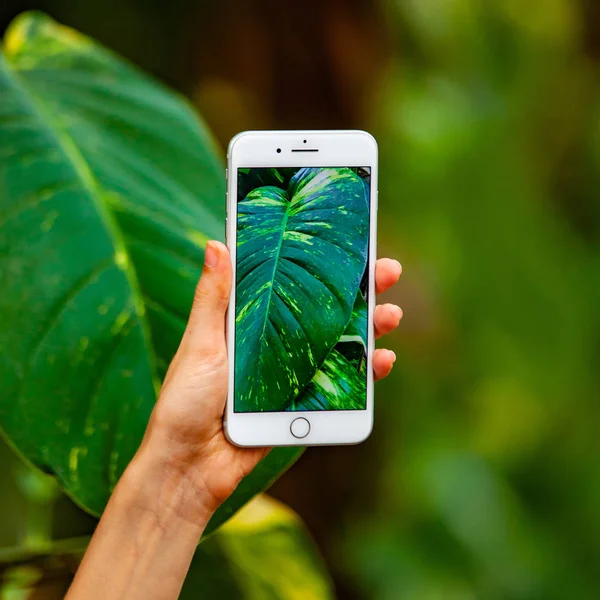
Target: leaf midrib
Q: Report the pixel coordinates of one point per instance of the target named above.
(68, 147)
(275, 264)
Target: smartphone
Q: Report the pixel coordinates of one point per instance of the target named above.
(301, 229)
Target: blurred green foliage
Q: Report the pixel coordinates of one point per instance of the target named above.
(482, 479)
(490, 480)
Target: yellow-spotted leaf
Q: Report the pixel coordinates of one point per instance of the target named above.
(263, 552)
(356, 330)
(341, 382)
(110, 186)
(301, 254)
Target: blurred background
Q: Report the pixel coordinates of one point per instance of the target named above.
(482, 477)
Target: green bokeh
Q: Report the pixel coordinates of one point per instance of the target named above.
(490, 482)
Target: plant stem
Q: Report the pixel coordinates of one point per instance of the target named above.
(40, 492)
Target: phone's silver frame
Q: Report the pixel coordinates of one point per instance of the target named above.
(332, 148)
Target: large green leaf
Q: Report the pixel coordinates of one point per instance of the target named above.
(109, 188)
(301, 257)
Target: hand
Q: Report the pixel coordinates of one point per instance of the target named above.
(185, 466)
(186, 425)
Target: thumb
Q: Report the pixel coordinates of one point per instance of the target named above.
(206, 326)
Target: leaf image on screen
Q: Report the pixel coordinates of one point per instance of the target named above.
(301, 314)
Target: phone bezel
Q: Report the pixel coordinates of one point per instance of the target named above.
(335, 148)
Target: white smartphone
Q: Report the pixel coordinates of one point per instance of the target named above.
(301, 229)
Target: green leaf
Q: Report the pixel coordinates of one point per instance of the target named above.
(301, 257)
(353, 342)
(264, 474)
(250, 179)
(356, 330)
(109, 188)
(340, 384)
(263, 552)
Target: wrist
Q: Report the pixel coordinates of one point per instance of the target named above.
(147, 535)
(160, 488)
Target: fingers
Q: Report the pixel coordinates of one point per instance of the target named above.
(386, 319)
(387, 273)
(206, 326)
(383, 361)
(387, 316)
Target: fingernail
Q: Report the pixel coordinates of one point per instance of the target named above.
(399, 265)
(211, 256)
(398, 312)
(393, 355)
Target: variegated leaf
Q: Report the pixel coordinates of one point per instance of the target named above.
(110, 186)
(301, 254)
(356, 330)
(340, 384)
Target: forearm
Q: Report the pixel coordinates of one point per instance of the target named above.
(146, 538)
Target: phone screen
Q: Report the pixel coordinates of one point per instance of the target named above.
(301, 289)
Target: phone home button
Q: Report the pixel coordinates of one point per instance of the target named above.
(300, 428)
